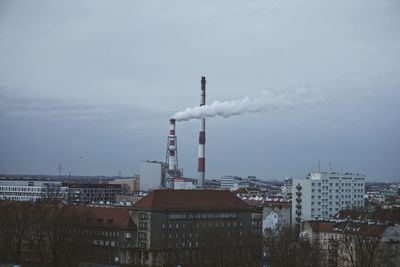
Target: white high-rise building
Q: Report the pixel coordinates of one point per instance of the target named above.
(321, 195)
(152, 175)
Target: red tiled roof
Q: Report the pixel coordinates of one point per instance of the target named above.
(352, 214)
(325, 227)
(191, 200)
(109, 217)
(359, 229)
(116, 217)
(391, 215)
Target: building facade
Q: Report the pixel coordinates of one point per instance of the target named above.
(152, 175)
(276, 215)
(43, 234)
(229, 183)
(195, 228)
(321, 195)
(96, 194)
(32, 190)
(351, 244)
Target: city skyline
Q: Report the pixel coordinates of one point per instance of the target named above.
(92, 85)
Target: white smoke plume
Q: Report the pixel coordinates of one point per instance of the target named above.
(266, 101)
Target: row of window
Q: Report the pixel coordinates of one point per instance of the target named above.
(337, 184)
(189, 235)
(22, 189)
(202, 225)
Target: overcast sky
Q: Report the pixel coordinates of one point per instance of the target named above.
(92, 84)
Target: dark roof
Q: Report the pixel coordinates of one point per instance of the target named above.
(278, 204)
(110, 217)
(353, 214)
(359, 229)
(391, 215)
(318, 226)
(191, 200)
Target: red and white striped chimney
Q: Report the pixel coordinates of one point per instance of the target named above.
(201, 167)
(172, 146)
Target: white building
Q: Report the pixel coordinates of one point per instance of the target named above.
(321, 195)
(152, 175)
(184, 184)
(276, 215)
(286, 189)
(229, 183)
(29, 190)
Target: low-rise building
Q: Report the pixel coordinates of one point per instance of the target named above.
(354, 244)
(92, 194)
(276, 215)
(32, 190)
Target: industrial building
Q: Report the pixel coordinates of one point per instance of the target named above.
(322, 194)
(152, 174)
(31, 190)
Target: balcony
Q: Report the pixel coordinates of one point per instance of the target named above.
(298, 194)
(298, 187)
(298, 200)
(298, 207)
(298, 212)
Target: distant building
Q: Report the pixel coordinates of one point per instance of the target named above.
(229, 183)
(202, 227)
(276, 215)
(323, 194)
(184, 183)
(32, 190)
(128, 184)
(97, 194)
(286, 189)
(152, 175)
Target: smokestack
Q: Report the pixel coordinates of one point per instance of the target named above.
(201, 167)
(171, 147)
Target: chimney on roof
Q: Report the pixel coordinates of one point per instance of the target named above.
(201, 165)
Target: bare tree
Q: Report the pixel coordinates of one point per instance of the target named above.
(359, 250)
(283, 247)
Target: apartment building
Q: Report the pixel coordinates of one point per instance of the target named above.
(322, 194)
(354, 244)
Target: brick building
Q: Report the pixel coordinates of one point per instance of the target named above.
(195, 228)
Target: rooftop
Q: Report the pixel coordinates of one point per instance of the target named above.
(191, 200)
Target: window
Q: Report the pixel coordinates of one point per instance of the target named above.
(142, 216)
(142, 235)
(142, 226)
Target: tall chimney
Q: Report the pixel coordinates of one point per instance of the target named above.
(201, 167)
(172, 147)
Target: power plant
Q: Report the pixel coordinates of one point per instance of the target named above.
(173, 170)
(201, 165)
